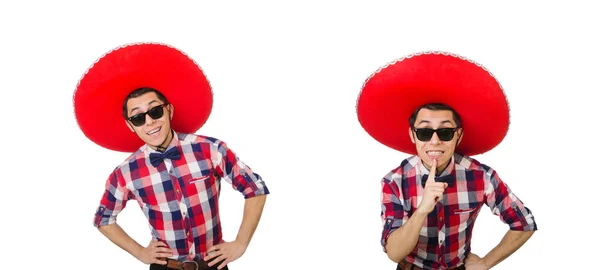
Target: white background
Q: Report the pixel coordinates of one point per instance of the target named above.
(285, 78)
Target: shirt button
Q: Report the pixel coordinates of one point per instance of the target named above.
(187, 233)
(441, 218)
(441, 241)
(178, 191)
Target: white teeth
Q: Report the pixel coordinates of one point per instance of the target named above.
(153, 131)
(435, 153)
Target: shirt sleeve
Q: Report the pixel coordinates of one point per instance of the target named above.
(113, 201)
(393, 211)
(229, 167)
(505, 204)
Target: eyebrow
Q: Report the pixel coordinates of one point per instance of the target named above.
(428, 122)
(135, 108)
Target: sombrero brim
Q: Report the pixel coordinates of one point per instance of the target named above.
(391, 94)
(99, 96)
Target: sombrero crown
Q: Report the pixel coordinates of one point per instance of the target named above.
(391, 94)
(99, 95)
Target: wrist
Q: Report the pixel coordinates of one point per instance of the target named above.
(242, 241)
(485, 261)
(420, 214)
(137, 251)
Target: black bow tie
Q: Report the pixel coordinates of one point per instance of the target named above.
(157, 158)
(449, 178)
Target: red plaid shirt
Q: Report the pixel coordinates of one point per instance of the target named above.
(180, 197)
(445, 238)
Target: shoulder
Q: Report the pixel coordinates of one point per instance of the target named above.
(131, 159)
(472, 165)
(122, 172)
(208, 147)
(406, 168)
(186, 138)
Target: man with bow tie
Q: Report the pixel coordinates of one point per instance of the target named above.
(174, 175)
(441, 109)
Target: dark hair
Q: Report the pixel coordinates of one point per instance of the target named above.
(140, 91)
(434, 107)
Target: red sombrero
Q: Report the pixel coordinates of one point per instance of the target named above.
(99, 96)
(392, 93)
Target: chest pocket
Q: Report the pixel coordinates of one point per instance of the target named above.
(465, 211)
(465, 215)
(200, 173)
(199, 181)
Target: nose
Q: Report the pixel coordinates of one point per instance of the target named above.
(149, 120)
(435, 140)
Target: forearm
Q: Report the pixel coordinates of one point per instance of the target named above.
(403, 240)
(253, 208)
(117, 235)
(511, 241)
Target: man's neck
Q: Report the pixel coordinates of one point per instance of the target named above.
(163, 146)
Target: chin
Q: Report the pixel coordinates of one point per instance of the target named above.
(440, 160)
(155, 141)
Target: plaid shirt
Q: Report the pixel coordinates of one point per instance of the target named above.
(445, 238)
(180, 197)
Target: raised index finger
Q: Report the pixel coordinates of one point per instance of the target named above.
(432, 171)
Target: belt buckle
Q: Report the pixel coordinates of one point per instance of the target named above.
(183, 265)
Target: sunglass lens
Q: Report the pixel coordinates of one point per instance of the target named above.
(156, 112)
(424, 134)
(445, 134)
(138, 119)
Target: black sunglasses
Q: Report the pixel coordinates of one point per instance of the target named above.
(425, 134)
(140, 118)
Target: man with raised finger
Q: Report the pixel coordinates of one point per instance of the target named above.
(442, 109)
(148, 99)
